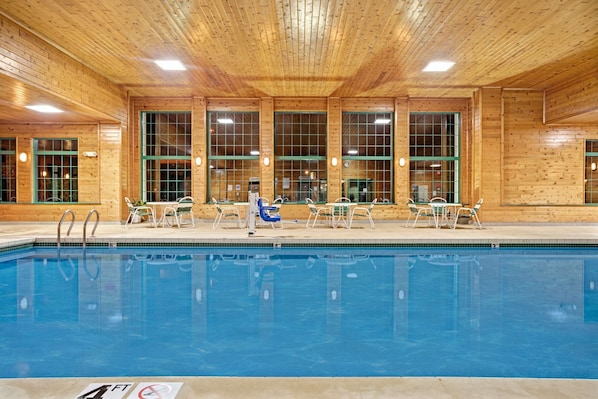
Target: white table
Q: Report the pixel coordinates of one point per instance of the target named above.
(341, 212)
(162, 205)
(441, 212)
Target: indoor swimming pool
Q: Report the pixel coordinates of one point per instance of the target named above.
(318, 312)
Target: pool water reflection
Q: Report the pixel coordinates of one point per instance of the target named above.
(299, 312)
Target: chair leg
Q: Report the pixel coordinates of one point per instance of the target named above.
(477, 220)
(217, 221)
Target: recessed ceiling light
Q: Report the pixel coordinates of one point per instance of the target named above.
(48, 109)
(352, 152)
(438, 66)
(254, 152)
(170, 65)
(225, 120)
(381, 121)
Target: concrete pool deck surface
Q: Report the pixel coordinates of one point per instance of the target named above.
(392, 233)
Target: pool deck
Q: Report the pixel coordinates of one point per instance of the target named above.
(391, 233)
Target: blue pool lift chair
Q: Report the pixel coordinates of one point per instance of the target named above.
(270, 214)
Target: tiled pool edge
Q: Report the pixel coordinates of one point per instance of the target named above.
(107, 242)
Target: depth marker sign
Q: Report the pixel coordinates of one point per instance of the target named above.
(156, 390)
(106, 390)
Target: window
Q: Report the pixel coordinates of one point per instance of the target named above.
(234, 158)
(591, 179)
(166, 155)
(56, 170)
(8, 175)
(367, 156)
(434, 156)
(300, 167)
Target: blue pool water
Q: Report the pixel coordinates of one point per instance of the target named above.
(299, 312)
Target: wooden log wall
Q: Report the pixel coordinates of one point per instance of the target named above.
(576, 98)
(98, 183)
(28, 58)
(525, 170)
(530, 171)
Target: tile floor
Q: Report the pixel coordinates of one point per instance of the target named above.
(322, 388)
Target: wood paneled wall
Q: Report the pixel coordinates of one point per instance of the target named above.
(524, 169)
(97, 179)
(45, 67)
(575, 98)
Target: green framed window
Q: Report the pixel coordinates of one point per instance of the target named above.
(367, 158)
(300, 167)
(233, 154)
(591, 172)
(165, 155)
(434, 156)
(8, 170)
(56, 170)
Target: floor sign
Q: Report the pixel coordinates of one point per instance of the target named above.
(105, 390)
(156, 390)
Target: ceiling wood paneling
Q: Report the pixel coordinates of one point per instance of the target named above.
(317, 48)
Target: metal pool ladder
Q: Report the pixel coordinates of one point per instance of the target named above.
(67, 212)
(94, 226)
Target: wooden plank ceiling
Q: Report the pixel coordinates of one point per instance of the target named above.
(306, 48)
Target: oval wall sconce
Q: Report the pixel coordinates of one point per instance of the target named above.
(593, 166)
(198, 161)
(334, 161)
(402, 162)
(23, 157)
(266, 161)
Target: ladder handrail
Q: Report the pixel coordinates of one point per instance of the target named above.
(94, 227)
(60, 224)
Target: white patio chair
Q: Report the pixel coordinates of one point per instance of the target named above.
(138, 211)
(183, 210)
(224, 212)
(360, 211)
(417, 212)
(316, 212)
(469, 214)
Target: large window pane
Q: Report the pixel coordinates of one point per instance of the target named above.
(367, 156)
(233, 154)
(300, 167)
(8, 174)
(434, 156)
(166, 155)
(56, 166)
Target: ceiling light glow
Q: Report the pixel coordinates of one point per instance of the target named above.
(438, 66)
(225, 120)
(170, 65)
(382, 121)
(48, 109)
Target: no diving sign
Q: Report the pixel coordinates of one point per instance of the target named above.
(156, 390)
(143, 390)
